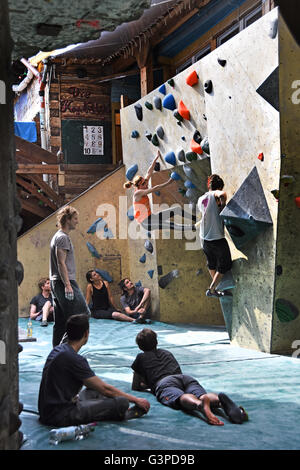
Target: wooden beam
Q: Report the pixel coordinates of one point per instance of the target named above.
(33, 152)
(34, 208)
(24, 168)
(35, 192)
(47, 189)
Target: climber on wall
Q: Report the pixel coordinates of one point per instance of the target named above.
(142, 207)
(212, 236)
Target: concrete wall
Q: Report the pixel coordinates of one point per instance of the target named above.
(288, 254)
(240, 125)
(102, 199)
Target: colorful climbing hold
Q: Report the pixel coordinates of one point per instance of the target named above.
(148, 135)
(157, 102)
(286, 311)
(160, 132)
(162, 89)
(138, 284)
(130, 213)
(157, 166)
(181, 155)
(192, 78)
(93, 250)
(183, 138)
(222, 62)
(165, 280)
(170, 158)
(205, 145)
(177, 115)
(148, 245)
(148, 105)
(191, 156)
(182, 191)
(138, 111)
(143, 258)
(197, 137)
(135, 134)
(189, 184)
(195, 147)
(98, 224)
(150, 273)
(208, 86)
(155, 140)
(275, 193)
(175, 176)
(183, 111)
(261, 157)
(169, 102)
(297, 201)
(130, 173)
(171, 82)
(104, 274)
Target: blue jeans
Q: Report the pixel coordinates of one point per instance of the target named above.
(64, 308)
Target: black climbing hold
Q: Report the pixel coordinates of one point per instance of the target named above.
(160, 132)
(222, 62)
(171, 82)
(135, 134)
(183, 138)
(269, 89)
(205, 145)
(279, 270)
(155, 140)
(197, 137)
(191, 156)
(157, 166)
(179, 123)
(208, 86)
(177, 115)
(138, 111)
(148, 245)
(148, 135)
(19, 272)
(157, 102)
(181, 155)
(273, 28)
(204, 117)
(247, 211)
(159, 270)
(148, 105)
(165, 280)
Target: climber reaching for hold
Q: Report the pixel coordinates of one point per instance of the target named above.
(142, 207)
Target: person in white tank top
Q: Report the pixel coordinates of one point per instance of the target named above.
(212, 234)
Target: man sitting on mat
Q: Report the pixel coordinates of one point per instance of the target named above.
(65, 372)
(158, 370)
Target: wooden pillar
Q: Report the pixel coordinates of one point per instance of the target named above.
(145, 63)
(9, 224)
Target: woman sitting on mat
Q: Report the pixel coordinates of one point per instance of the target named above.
(142, 207)
(98, 291)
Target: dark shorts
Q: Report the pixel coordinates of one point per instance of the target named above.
(169, 389)
(103, 314)
(40, 317)
(218, 255)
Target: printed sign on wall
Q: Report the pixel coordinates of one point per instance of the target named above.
(93, 140)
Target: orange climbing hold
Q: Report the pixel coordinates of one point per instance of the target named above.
(196, 147)
(192, 78)
(183, 111)
(297, 201)
(261, 157)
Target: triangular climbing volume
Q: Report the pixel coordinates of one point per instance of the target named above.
(247, 213)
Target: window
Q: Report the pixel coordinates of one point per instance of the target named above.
(244, 22)
(251, 17)
(203, 52)
(228, 34)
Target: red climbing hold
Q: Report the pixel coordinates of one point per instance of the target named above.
(192, 78)
(297, 201)
(196, 147)
(183, 111)
(261, 157)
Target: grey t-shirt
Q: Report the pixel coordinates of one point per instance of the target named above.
(211, 225)
(133, 300)
(62, 240)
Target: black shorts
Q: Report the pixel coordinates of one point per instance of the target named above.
(218, 255)
(169, 389)
(102, 314)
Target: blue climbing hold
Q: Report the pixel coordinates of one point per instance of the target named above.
(143, 258)
(98, 224)
(148, 245)
(189, 184)
(169, 102)
(151, 272)
(131, 171)
(135, 134)
(170, 158)
(162, 89)
(175, 176)
(108, 233)
(104, 274)
(93, 250)
(157, 193)
(130, 213)
(138, 284)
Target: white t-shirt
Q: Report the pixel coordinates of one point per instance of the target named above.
(211, 225)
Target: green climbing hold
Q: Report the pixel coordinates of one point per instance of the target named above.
(148, 105)
(190, 156)
(155, 140)
(171, 82)
(286, 311)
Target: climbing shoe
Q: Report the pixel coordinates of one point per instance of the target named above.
(140, 319)
(134, 412)
(214, 293)
(44, 323)
(236, 414)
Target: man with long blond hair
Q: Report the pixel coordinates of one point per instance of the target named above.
(67, 296)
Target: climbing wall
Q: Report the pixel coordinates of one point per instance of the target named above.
(99, 240)
(225, 110)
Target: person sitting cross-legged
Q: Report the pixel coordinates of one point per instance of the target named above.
(41, 306)
(135, 300)
(158, 370)
(61, 401)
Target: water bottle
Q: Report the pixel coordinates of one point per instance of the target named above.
(29, 328)
(70, 433)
